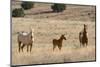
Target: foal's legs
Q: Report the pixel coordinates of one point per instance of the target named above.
(19, 45)
(54, 47)
(59, 47)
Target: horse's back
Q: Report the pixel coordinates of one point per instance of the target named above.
(54, 41)
(25, 38)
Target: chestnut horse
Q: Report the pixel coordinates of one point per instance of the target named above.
(58, 42)
(83, 36)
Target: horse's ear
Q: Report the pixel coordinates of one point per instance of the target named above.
(30, 29)
(85, 25)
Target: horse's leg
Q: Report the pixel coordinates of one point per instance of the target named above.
(80, 44)
(19, 45)
(59, 47)
(27, 47)
(83, 44)
(30, 47)
(22, 47)
(87, 42)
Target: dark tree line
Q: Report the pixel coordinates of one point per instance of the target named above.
(19, 12)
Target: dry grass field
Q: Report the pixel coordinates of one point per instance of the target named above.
(48, 26)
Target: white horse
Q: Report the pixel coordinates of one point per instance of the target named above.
(25, 39)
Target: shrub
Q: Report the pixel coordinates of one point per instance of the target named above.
(18, 12)
(58, 7)
(27, 5)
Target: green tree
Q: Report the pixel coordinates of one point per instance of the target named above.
(27, 5)
(18, 12)
(58, 7)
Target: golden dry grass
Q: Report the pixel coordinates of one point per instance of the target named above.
(48, 26)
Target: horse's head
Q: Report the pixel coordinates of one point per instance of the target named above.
(63, 37)
(85, 26)
(32, 33)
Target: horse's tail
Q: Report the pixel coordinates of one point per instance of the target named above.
(80, 37)
(53, 41)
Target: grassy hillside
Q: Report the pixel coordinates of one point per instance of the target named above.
(49, 26)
